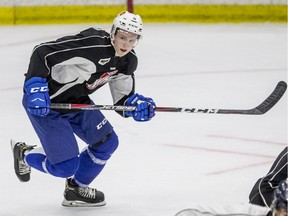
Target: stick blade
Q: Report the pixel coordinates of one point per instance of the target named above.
(273, 98)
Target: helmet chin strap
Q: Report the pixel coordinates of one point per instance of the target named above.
(112, 42)
(116, 54)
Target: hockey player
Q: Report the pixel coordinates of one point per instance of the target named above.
(262, 192)
(68, 70)
(277, 208)
(280, 200)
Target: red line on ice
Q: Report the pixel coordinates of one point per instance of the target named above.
(240, 168)
(220, 151)
(248, 140)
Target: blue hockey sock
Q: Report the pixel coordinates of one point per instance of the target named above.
(93, 160)
(35, 158)
(38, 160)
(88, 169)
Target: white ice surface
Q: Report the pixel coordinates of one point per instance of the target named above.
(177, 159)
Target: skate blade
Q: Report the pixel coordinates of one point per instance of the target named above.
(76, 203)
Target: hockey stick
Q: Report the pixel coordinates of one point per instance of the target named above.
(265, 106)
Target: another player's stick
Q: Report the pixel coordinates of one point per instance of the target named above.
(265, 106)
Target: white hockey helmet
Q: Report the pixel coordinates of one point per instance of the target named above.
(128, 22)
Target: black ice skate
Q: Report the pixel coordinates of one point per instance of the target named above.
(75, 196)
(22, 170)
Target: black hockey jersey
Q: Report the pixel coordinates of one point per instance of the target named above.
(76, 66)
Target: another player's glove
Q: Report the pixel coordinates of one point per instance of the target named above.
(144, 107)
(38, 97)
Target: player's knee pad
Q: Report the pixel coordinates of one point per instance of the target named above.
(63, 169)
(105, 149)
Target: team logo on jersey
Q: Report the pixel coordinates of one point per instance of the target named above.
(104, 61)
(103, 79)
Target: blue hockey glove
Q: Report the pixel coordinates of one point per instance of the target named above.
(38, 96)
(144, 107)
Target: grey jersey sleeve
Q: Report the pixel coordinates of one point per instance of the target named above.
(121, 86)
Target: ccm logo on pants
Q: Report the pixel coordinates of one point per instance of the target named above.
(101, 124)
